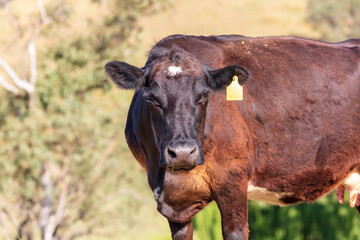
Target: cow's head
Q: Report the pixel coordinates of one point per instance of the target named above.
(176, 87)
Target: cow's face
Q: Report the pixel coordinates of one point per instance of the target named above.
(176, 87)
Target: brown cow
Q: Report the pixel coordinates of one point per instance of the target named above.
(295, 136)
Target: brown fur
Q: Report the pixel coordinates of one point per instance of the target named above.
(297, 129)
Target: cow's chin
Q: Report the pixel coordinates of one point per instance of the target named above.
(181, 215)
(182, 195)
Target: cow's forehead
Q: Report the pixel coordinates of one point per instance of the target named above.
(175, 65)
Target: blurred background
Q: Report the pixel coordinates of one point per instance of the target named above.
(65, 169)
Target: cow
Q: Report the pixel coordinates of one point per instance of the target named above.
(294, 137)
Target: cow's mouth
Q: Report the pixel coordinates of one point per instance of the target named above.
(181, 168)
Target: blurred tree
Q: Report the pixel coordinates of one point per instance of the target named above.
(15, 84)
(59, 155)
(335, 20)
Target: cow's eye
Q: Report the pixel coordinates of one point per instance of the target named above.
(153, 102)
(203, 98)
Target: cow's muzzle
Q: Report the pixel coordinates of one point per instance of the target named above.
(182, 155)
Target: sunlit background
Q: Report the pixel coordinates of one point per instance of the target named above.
(65, 169)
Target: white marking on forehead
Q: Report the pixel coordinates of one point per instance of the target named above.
(174, 71)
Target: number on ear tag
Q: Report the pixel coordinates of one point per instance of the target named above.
(234, 92)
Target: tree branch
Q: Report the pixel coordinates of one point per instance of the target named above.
(32, 60)
(46, 201)
(55, 220)
(29, 87)
(49, 222)
(14, 77)
(44, 17)
(7, 86)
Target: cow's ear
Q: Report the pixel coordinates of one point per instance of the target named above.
(125, 75)
(222, 77)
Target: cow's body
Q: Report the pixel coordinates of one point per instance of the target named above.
(295, 136)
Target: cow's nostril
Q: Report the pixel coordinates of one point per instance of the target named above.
(182, 155)
(171, 153)
(193, 150)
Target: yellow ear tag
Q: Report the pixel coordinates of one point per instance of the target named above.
(234, 92)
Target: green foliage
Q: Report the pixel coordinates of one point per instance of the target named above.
(335, 20)
(207, 223)
(325, 219)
